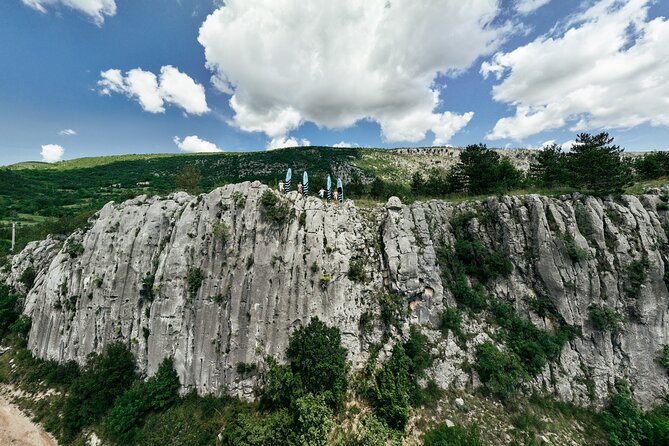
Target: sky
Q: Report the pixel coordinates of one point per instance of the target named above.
(107, 77)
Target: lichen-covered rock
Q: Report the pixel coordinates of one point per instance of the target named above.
(214, 282)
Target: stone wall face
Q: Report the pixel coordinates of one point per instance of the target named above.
(127, 278)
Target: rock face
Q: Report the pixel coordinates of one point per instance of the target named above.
(214, 281)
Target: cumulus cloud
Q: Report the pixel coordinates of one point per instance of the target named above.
(95, 9)
(343, 145)
(529, 6)
(281, 142)
(609, 68)
(153, 92)
(335, 63)
(52, 153)
(67, 132)
(193, 144)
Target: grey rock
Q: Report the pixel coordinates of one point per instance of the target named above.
(131, 284)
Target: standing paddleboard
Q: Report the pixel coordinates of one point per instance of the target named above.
(340, 190)
(329, 184)
(289, 175)
(305, 183)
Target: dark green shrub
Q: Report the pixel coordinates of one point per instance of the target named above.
(393, 309)
(281, 385)
(623, 420)
(74, 249)
(636, 276)
(391, 393)
(575, 252)
(318, 359)
(605, 318)
(28, 277)
(8, 310)
(663, 357)
(245, 368)
(451, 319)
(195, 279)
(367, 321)
(356, 270)
(146, 291)
(276, 210)
(21, 327)
(474, 298)
(481, 262)
(500, 372)
(158, 393)
(103, 379)
(443, 435)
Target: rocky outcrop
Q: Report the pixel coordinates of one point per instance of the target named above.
(214, 281)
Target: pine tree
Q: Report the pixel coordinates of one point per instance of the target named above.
(597, 166)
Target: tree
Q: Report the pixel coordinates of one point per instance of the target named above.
(652, 165)
(319, 361)
(597, 166)
(189, 179)
(483, 172)
(443, 435)
(8, 313)
(313, 420)
(551, 169)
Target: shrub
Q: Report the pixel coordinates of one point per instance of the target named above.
(21, 327)
(275, 210)
(500, 372)
(356, 270)
(8, 313)
(222, 232)
(623, 420)
(391, 394)
(195, 279)
(481, 262)
(188, 179)
(245, 368)
(393, 309)
(442, 435)
(146, 291)
(605, 319)
(158, 393)
(28, 277)
(636, 276)
(313, 420)
(663, 357)
(74, 249)
(367, 321)
(280, 386)
(451, 319)
(318, 359)
(473, 298)
(103, 379)
(575, 252)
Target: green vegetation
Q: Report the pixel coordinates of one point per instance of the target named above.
(221, 232)
(605, 319)
(500, 371)
(390, 396)
(663, 357)
(28, 277)
(443, 435)
(188, 179)
(356, 270)
(195, 278)
(276, 209)
(8, 310)
(575, 252)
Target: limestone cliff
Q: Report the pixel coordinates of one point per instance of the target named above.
(213, 281)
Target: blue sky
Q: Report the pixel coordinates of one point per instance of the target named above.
(101, 77)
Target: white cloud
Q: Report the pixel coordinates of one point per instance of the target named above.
(335, 63)
(52, 153)
(608, 69)
(95, 9)
(67, 132)
(193, 144)
(281, 142)
(343, 145)
(529, 6)
(173, 87)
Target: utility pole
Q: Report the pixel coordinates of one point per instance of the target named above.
(13, 235)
